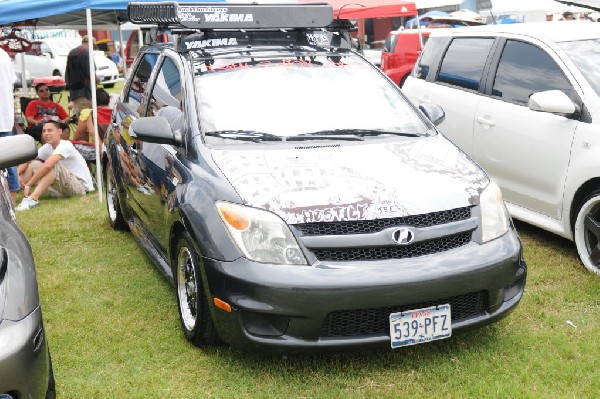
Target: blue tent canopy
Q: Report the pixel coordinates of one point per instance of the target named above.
(413, 22)
(72, 13)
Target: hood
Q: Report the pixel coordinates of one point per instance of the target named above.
(316, 182)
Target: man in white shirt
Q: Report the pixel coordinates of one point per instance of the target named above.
(62, 173)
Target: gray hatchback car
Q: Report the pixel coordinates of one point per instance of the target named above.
(25, 365)
(286, 219)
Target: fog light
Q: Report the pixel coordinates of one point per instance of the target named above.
(265, 324)
(513, 289)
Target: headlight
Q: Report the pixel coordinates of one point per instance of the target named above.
(260, 235)
(494, 219)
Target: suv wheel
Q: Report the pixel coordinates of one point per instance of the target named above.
(194, 314)
(587, 232)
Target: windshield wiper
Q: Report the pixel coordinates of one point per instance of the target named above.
(355, 132)
(244, 135)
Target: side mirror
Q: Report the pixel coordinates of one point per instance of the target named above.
(553, 101)
(15, 150)
(154, 129)
(433, 112)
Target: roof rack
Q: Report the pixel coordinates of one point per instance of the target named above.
(206, 16)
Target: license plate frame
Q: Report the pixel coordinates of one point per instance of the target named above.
(417, 326)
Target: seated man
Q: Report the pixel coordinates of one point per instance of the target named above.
(42, 110)
(63, 173)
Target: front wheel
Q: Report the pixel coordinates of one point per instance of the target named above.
(587, 232)
(194, 313)
(113, 207)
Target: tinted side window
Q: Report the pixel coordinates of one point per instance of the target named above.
(135, 97)
(525, 69)
(464, 62)
(167, 94)
(430, 51)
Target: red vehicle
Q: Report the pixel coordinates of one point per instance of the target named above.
(400, 52)
(56, 84)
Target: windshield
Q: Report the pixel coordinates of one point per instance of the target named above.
(287, 97)
(585, 54)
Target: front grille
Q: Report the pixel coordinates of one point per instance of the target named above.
(346, 323)
(395, 252)
(373, 226)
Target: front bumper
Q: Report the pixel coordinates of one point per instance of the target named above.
(109, 78)
(24, 357)
(324, 306)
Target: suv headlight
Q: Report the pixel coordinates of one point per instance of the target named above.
(494, 218)
(261, 236)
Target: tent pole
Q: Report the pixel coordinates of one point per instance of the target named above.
(122, 51)
(88, 14)
(24, 87)
(420, 33)
(140, 38)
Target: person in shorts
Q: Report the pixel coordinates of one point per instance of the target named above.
(59, 169)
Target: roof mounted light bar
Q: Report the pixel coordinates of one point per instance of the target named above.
(231, 15)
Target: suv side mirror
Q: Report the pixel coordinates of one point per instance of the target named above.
(15, 150)
(553, 101)
(433, 112)
(154, 129)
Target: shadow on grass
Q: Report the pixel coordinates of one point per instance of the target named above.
(332, 362)
(543, 237)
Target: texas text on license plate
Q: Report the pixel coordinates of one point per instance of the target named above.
(413, 327)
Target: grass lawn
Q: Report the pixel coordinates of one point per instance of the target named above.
(112, 324)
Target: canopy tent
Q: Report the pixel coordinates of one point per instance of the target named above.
(358, 9)
(73, 14)
(591, 4)
(424, 18)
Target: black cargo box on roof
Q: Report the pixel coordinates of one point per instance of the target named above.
(206, 16)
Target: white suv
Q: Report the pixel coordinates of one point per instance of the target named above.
(523, 100)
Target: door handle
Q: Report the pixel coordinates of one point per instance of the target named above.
(485, 121)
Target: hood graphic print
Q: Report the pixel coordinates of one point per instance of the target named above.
(354, 182)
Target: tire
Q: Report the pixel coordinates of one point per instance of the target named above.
(587, 232)
(113, 206)
(108, 85)
(194, 313)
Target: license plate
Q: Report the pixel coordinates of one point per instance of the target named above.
(414, 327)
